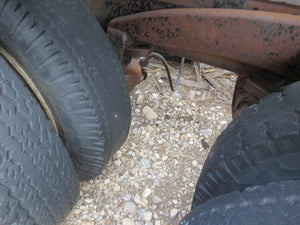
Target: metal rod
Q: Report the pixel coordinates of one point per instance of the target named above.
(179, 73)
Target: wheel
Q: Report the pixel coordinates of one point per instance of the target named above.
(261, 146)
(38, 184)
(66, 59)
(274, 204)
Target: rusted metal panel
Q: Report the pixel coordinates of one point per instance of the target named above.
(237, 40)
(106, 10)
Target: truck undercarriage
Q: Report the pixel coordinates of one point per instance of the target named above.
(257, 39)
(59, 66)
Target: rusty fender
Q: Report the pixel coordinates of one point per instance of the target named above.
(243, 41)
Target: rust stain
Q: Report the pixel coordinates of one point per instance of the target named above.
(133, 74)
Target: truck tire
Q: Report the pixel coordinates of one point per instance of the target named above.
(274, 204)
(62, 50)
(261, 146)
(38, 184)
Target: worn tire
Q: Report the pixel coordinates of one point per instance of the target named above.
(66, 54)
(274, 204)
(261, 146)
(38, 184)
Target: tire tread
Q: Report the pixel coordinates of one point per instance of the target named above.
(244, 155)
(34, 165)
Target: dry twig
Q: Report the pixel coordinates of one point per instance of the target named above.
(216, 85)
(192, 83)
(157, 85)
(197, 67)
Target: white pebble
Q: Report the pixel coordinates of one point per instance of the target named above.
(173, 214)
(149, 113)
(137, 199)
(156, 200)
(140, 99)
(127, 221)
(130, 207)
(195, 163)
(206, 132)
(117, 162)
(147, 192)
(126, 197)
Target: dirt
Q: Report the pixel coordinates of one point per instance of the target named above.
(151, 179)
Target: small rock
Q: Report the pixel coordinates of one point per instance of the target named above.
(176, 95)
(102, 213)
(137, 199)
(165, 158)
(117, 188)
(130, 207)
(205, 145)
(161, 141)
(189, 111)
(123, 160)
(127, 221)
(149, 113)
(167, 117)
(173, 214)
(156, 200)
(157, 222)
(88, 200)
(147, 192)
(133, 171)
(206, 132)
(192, 94)
(144, 202)
(156, 183)
(140, 99)
(145, 215)
(107, 222)
(117, 162)
(154, 95)
(135, 131)
(87, 223)
(223, 122)
(146, 163)
(136, 126)
(195, 163)
(117, 155)
(126, 197)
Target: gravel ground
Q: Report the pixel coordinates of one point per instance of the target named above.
(151, 179)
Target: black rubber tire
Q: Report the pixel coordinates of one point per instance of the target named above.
(38, 184)
(274, 204)
(261, 146)
(64, 50)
